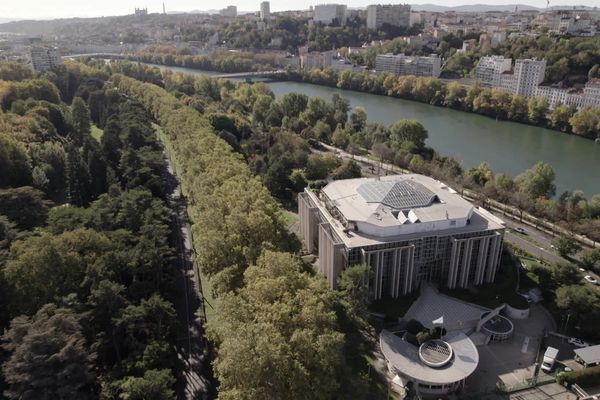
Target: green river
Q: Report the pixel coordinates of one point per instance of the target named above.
(471, 138)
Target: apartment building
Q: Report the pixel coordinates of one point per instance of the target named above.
(329, 13)
(490, 68)
(591, 93)
(229, 11)
(316, 59)
(408, 229)
(44, 58)
(400, 64)
(392, 14)
(265, 11)
(528, 74)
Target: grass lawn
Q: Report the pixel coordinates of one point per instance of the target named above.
(289, 218)
(97, 133)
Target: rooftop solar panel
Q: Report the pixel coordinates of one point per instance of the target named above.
(401, 195)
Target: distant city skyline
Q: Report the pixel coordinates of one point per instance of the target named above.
(38, 9)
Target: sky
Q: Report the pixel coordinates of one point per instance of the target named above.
(46, 9)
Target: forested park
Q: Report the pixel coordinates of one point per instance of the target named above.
(87, 247)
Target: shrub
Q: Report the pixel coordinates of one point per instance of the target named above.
(584, 377)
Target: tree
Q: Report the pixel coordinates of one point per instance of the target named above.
(586, 122)
(409, 130)
(561, 116)
(292, 104)
(14, 163)
(278, 337)
(352, 283)
(48, 358)
(565, 245)
(154, 385)
(80, 119)
(261, 108)
(537, 181)
(358, 119)
(319, 167)
(590, 259)
(348, 169)
(42, 269)
(24, 205)
(577, 299)
(537, 109)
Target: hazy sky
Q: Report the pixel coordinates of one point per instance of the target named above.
(36, 9)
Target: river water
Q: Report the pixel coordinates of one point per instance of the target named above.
(506, 146)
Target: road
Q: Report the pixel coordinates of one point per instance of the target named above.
(195, 374)
(535, 242)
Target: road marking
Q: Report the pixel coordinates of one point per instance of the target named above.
(525, 344)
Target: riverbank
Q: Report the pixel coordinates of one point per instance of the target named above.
(493, 103)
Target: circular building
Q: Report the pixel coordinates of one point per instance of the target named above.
(435, 368)
(498, 327)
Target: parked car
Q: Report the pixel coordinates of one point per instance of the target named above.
(582, 269)
(520, 230)
(577, 342)
(590, 279)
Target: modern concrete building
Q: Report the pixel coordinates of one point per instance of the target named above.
(392, 14)
(265, 11)
(329, 13)
(229, 11)
(490, 68)
(528, 74)
(399, 64)
(435, 368)
(408, 229)
(44, 58)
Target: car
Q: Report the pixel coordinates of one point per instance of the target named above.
(553, 246)
(591, 279)
(582, 269)
(577, 342)
(520, 230)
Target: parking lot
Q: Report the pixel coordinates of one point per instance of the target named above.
(565, 354)
(511, 362)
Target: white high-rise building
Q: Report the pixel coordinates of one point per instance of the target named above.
(328, 13)
(490, 68)
(399, 64)
(393, 14)
(44, 58)
(265, 10)
(528, 74)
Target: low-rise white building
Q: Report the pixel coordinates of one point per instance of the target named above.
(316, 59)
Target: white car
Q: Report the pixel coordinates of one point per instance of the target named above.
(590, 279)
(577, 342)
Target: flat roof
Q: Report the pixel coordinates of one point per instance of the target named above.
(399, 203)
(404, 357)
(590, 354)
(362, 199)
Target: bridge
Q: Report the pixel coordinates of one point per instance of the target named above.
(113, 56)
(256, 74)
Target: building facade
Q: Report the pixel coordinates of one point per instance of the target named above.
(329, 13)
(44, 58)
(229, 11)
(490, 68)
(399, 64)
(392, 14)
(591, 93)
(408, 229)
(528, 74)
(265, 10)
(316, 59)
